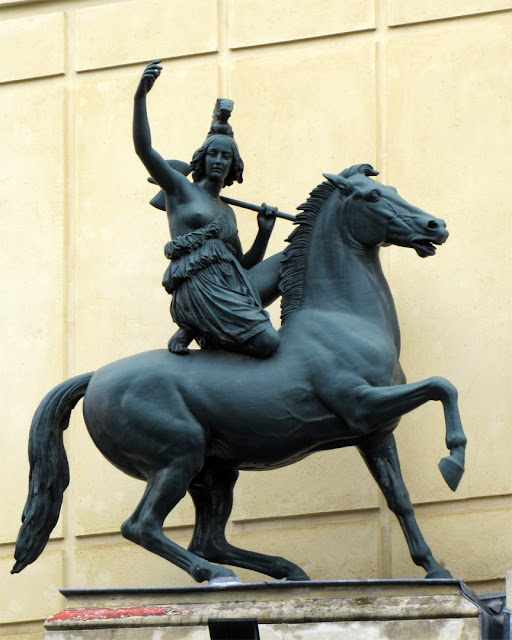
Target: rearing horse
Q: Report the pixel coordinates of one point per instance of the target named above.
(191, 423)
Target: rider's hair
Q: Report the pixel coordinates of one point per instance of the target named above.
(237, 165)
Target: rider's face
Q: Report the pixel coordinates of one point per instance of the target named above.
(219, 157)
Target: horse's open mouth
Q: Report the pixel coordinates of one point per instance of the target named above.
(423, 247)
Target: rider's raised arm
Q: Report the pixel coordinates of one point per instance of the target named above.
(266, 221)
(158, 168)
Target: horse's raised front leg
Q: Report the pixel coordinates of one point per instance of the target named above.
(382, 460)
(377, 405)
(164, 490)
(212, 493)
(366, 409)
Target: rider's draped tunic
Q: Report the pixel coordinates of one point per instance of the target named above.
(213, 296)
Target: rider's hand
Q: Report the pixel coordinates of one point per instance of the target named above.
(266, 218)
(149, 76)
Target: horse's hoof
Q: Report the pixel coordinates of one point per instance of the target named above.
(439, 573)
(224, 581)
(298, 576)
(452, 472)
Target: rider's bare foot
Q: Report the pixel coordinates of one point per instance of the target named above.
(179, 342)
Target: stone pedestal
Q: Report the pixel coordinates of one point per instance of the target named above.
(341, 610)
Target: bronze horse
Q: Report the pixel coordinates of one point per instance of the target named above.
(191, 423)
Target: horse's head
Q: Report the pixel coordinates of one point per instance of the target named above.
(374, 214)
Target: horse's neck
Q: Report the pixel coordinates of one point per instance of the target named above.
(342, 275)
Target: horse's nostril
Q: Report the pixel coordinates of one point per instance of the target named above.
(432, 224)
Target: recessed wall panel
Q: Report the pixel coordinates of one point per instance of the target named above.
(256, 22)
(317, 113)
(19, 58)
(483, 535)
(342, 551)
(31, 287)
(323, 483)
(406, 11)
(34, 593)
(119, 33)
(19, 1)
(125, 566)
(450, 136)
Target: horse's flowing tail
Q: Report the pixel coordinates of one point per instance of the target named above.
(49, 471)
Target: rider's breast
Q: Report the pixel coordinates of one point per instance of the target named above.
(189, 219)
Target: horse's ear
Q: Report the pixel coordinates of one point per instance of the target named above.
(368, 170)
(340, 183)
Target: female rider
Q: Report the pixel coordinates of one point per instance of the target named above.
(214, 300)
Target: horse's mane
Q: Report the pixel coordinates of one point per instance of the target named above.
(291, 281)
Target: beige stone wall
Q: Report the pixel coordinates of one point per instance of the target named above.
(419, 89)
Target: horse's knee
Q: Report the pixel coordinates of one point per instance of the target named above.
(444, 389)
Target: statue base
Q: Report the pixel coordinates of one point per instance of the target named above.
(341, 610)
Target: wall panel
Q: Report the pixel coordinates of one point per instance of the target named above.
(315, 113)
(106, 565)
(406, 11)
(343, 551)
(449, 149)
(33, 594)
(31, 259)
(256, 22)
(134, 31)
(484, 536)
(20, 37)
(325, 482)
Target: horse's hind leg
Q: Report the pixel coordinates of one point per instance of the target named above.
(212, 493)
(382, 460)
(378, 405)
(165, 489)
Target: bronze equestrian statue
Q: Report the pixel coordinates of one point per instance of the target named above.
(191, 423)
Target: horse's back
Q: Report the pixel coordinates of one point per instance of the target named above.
(255, 412)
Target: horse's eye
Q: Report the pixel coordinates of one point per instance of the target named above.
(373, 196)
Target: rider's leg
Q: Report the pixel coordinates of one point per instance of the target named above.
(262, 345)
(265, 278)
(180, 340)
